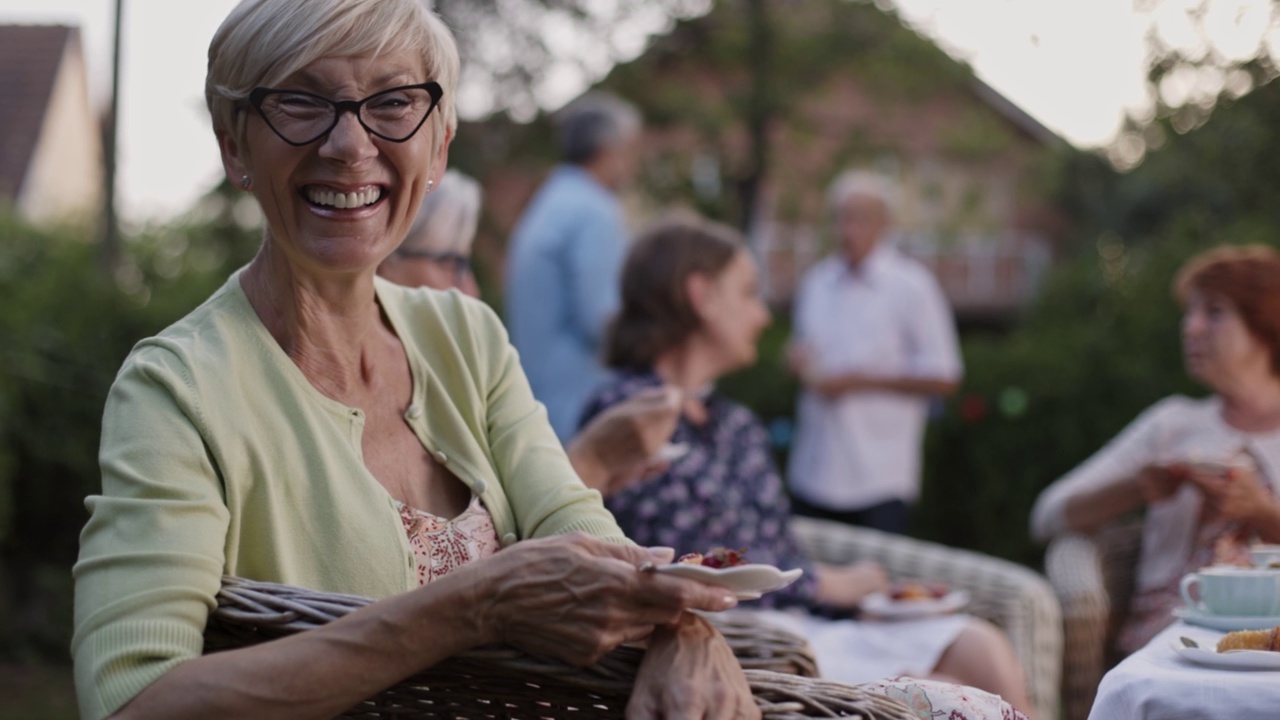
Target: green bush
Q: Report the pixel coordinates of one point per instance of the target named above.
(67, 325)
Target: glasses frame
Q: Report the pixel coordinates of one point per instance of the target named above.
(260, 94)
(461, 263)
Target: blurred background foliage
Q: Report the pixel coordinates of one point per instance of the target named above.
(67, 326)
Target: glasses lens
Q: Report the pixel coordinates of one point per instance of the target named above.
(297, 117)
(397, 114)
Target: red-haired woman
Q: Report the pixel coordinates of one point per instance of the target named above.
(1205, 469)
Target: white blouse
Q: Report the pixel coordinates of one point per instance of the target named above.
(1175, 429)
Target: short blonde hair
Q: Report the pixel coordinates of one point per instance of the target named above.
(865, 183)
(262, 42)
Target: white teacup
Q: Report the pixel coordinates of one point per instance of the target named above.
(1236, 591)
(1265, 556)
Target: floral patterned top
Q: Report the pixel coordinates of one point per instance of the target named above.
(726, 491)
(441, 546)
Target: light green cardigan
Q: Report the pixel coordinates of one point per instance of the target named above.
(218, 456)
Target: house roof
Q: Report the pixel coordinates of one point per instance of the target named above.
(1020, 119)
(30, 57)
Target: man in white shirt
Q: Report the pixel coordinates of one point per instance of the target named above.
(873, 341)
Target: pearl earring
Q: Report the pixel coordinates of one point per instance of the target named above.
(245, 181)
(430, 185)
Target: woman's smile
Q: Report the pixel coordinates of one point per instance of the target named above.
(327, 200)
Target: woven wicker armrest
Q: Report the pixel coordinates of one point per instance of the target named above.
(1073, 567)
(1013, 597)
(1092, 576)
(503, 682)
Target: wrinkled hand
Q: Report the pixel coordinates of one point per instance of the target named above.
(844, 586)
(576, 597)
(799, 359)
(801, 362)
(690, 673)
(619, 447)
(1161, 482)
(1237, 494)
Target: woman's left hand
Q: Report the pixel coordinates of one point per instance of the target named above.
(690, 673)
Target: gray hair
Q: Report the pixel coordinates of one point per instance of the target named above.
(447, 220)
(863, 183)
(262, 42)
(592, 123)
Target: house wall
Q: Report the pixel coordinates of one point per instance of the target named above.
(65, 180)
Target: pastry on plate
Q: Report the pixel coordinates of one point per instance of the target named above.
(1251, 640)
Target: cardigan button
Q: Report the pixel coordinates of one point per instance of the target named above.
(414, 411)
(478, 487)
(509, 539)
(441, 457)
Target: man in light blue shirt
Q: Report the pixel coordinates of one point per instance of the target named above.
(565, 255)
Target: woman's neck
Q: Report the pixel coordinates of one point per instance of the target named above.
(326, 326)
(1252, 406)
(688, 367)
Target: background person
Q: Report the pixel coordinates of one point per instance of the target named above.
(564, 256)
(618, 447)
(873, 341)
(314, 425)
(691, 313)
(437, 251)
(1231, 344)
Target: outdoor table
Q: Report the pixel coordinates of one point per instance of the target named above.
(1155, 683)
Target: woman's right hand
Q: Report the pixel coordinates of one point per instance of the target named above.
(844, 586)
(1160, 482)
(575, 597)
(619, 447)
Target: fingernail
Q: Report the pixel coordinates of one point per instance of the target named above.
(729, 601)
(662, 554)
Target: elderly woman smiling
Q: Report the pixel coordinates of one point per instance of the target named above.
(315, 425)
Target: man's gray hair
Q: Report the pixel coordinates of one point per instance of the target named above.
(865, 183)
(447, 220)
(592, 123)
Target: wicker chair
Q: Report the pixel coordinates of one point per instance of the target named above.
(1093, 577)
(502, 682)
(1014, 598)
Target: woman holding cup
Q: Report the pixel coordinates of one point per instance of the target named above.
(1204, 469)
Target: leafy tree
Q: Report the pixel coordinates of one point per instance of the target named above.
(518, 53)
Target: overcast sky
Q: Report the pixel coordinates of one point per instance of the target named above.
(1075, 65)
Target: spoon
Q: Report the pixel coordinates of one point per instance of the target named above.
(1189, 642)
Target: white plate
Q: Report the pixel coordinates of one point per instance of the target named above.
(1226, 623)
(1231, 659)
(747, 582)
(672, 452)
(883, 606)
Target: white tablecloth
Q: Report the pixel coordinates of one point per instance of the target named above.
(1156, 684)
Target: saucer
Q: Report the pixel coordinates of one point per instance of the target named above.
(1231, 659)
(746, 582)
(884, 607)
(1226, 623)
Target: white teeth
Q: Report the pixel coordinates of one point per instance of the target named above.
(343, 200)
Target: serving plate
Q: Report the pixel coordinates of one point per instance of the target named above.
(746, 582)
(1226, 623)
(1229, 660)
(882, 606)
